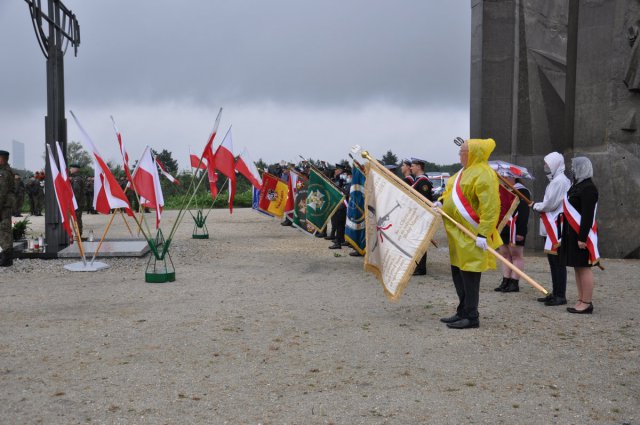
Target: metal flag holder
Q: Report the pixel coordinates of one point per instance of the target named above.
(200, 230)
(162, 269)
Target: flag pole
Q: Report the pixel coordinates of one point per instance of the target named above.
(104, 235)
(466, 231)
(512, 187)
(214, 199)
(80, 247)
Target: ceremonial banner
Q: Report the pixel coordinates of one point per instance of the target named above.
(273, 195)
(255, 201)
(322, 200)
(399, 227)
(355, 230)
(296, 208)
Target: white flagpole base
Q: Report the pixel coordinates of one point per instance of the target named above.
(88, 267)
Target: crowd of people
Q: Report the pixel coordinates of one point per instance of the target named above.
(471, 197)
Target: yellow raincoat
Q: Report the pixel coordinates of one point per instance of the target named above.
(479, 185)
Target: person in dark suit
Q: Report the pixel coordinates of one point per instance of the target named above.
(424, 186)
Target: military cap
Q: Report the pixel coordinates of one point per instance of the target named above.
(406, 161)
(418, 161)
(391, 166)
(4, 153)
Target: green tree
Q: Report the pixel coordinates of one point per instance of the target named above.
(76, 154)
(170, 164)
(389, 158)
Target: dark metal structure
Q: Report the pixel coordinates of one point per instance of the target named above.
(55, 30)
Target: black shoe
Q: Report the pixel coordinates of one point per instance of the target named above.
(320, 235)
(286, 223)
(512, 286)
(450, 319)
(419, 273)
(464, 324)
(330, 238)
(503, 284)
(335, 246)
(555, 301)
(547, 298)
(588, 310)
(345, 243)
(355, 254)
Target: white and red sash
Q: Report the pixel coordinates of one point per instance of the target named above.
(512, 228)
(463, 205)
(550, 223)
(573, 217)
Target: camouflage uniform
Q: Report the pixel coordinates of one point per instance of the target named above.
(78, 185)
(20, 191)
(7, 201)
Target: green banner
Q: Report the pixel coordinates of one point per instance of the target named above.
(322, 200)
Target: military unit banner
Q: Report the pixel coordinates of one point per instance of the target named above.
(322, 200)
(355, 228)
(399, 227)
(273, 195)
(296, 209)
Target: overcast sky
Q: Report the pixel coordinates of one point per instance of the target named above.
(295, 77)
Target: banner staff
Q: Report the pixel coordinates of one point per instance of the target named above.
(466, 231)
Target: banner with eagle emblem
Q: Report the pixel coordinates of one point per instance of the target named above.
(273, 195)
(323, 198)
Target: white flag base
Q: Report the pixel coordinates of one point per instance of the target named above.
(88, 267)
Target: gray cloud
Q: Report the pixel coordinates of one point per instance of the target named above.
(330, 52)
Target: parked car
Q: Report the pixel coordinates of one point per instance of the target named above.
(439, 180)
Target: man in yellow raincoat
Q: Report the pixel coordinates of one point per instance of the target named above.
(472, 199)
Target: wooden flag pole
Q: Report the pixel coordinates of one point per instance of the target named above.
(512, 187)
(466, 231)
(80, 247)
(104, 235)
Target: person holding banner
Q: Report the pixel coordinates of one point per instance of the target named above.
(422, 184)
(550, 210)
(472, 199)
(579, 243)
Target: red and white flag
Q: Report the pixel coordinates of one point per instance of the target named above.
(107, 194)
(166, 173)
(147, 183)
(123, 152)
(207, 154)
(196, 163)
(226, 164)
(247, 168)
(63, 192)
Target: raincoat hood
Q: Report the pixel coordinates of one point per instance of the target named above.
(480, 150)
(582, 168)
(555, 162)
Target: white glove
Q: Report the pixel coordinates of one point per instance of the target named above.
(481, 243)
(536, 207)
(436, 207)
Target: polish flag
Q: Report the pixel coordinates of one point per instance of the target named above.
(123, 152)
(107, 194)
(195, 161)
(226, 164)
(208, 155)
(166, 173)
(61, 190)
(247, 168)
(147, 183)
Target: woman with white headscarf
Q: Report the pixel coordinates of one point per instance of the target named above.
(578, 246)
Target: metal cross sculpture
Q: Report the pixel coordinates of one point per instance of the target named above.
(55, 30)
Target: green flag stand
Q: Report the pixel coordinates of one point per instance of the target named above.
(162, 269)
(200, 230)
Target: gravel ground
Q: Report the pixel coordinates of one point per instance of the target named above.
(265, 325)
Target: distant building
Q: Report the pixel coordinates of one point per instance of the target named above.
(17, 155)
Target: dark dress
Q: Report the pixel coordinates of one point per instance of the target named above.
(583, 196)
(521, 222)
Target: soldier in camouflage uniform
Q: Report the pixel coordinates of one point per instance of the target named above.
(20, 191)
(7, 202)
(78, 185)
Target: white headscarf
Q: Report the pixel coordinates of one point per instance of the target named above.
(582, 168)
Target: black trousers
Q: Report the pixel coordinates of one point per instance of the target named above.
(468, 289)
(339, 222)
(422, 264)
(558, 276)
